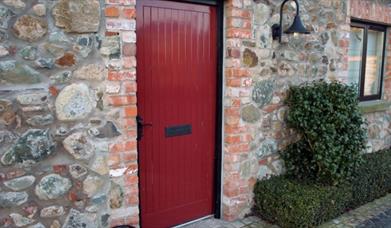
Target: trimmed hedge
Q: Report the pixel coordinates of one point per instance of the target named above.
(373, 179)
(291, 203)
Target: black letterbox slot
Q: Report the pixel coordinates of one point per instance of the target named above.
(178, 130)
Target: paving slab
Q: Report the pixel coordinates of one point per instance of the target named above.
(376, 214)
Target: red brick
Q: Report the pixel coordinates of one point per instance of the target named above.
(230, 191)
(233, 52)
(129, 87)
(129, 62)
(129, 13)
(232, 139)
(236, 72)
(237, 148)
(238, 33)
(132, 200)
(111, 11)
(122, 100)
(235, 82)
(128, 123)
(129, 156)
(235, 12)
(235, 111)
(235, 102)
(117, 221)
(133, 220)
(130, 111)
(131, 180)
(122, 75)
(131, 133)
(108, 33)
(234, 3)
(114, 160)
(130, 145)
(129, 49)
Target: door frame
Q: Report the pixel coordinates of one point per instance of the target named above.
(219, 4)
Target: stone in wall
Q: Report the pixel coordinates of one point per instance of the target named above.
(268, 147)
(38, 225)
(61, 77)
(52, 186)
(116, 196)
(84, 45)
(94, 71)
(79, 146)
(5, 16)
(250, 114)
(39, 10)
(33, 146)
(12, 72)
(12, 199)
(262, 13)
(33, 98)
(76, 219)
(20, 220)
(74, 102)
(79, 16)
(92, 185)
(52, 211)
(7, 113)
(77, 171)
(108, 130)
(20, 183)
(250, 58)
(3, 51)
(3, 35)
(28, 52)
(68, 59)
(111, 47)
(30, 28)
(40, 120)
(17, 4)
(263, 92)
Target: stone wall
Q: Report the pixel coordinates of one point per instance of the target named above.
(68, 151)
(258, 72)
(67, 108)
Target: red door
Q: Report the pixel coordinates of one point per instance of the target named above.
(176, 73)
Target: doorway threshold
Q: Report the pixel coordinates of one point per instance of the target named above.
(193, 221)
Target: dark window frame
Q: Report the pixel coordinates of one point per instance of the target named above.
(376, 27)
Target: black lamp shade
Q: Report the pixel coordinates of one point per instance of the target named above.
(297, 27)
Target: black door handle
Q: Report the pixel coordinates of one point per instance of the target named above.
(140, 127)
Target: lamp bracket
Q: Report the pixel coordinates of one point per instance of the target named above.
(276, 31)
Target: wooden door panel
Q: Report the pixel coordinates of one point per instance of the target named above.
(176, 76)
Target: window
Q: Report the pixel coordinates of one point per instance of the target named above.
(366, 59)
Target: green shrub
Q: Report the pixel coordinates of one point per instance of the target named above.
(291, 204)
(372, 179)
(328, 117)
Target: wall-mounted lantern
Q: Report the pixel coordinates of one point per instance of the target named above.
(296, 27)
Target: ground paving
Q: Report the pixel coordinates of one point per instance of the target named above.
(376, 214)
